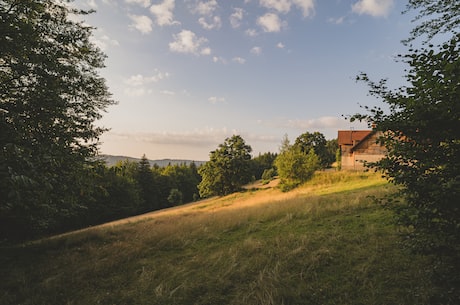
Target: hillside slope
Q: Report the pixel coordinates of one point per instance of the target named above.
(323, 243)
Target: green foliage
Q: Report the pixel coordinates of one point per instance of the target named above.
(228, 169)
(50, 97)
(148, 185)
(268, 175)
(436, 16)
(338, 158)
(175, 197)
(332, 146)
(295, 166)
(261, 163)
(323, 149)
(421, 133)
(184, 178)
(115, 196)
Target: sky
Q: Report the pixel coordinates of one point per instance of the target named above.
(187, 74)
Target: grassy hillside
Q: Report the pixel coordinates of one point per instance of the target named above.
(324, 243)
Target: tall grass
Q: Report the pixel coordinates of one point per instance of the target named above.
(323, 243)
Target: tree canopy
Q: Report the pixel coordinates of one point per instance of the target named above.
(421, 133)
(51, 95)
(316, 141)
(228, 169)
(295, 166)
(435, 16)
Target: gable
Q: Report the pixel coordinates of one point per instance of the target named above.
(370, 144)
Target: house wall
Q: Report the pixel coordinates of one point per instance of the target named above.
(367, 151)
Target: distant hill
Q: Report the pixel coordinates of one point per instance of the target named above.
(112, 160)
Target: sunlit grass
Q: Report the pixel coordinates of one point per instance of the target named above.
(323, 243)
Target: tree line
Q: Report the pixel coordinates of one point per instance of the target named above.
(131, 188)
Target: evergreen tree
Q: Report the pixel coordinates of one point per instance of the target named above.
(147, 184)
(175, 197)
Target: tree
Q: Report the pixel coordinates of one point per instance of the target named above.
(115, 196)
(439, 17)
(261, 163)
(148, 186)
(316, 140)
(227, 170)
(183, 178)
(295, 166)
(332, 148)
(175, 197)
(420, 131)
(50, 97)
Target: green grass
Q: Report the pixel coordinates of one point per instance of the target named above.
(323, 243)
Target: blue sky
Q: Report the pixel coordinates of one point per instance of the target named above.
(188, 73)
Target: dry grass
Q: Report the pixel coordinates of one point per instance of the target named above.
(323, 243)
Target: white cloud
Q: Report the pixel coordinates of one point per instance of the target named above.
(197, 137)
(251, 32)
(141, 23)
(167, 92)
(307, 6)
(215, 23)
(214, 100)
(136, 84)
(239, 60)
(323, 124)
(141, 80)
(137, 92)
(205, 8)
(164, 12)
(338, 20)
(282, 6)
(256, 50)
(280, 45)
(270, 22)
(144, 3)
(375, 8)
(218, 59)
(192, 144)
(102, 41)
(92, 4)
(236, 17)
(187, 42)
(206, 51)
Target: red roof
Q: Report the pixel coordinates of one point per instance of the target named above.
(351, 137)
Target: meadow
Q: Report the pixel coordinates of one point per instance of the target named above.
(326, 242)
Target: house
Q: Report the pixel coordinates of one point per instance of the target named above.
(359, 146)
